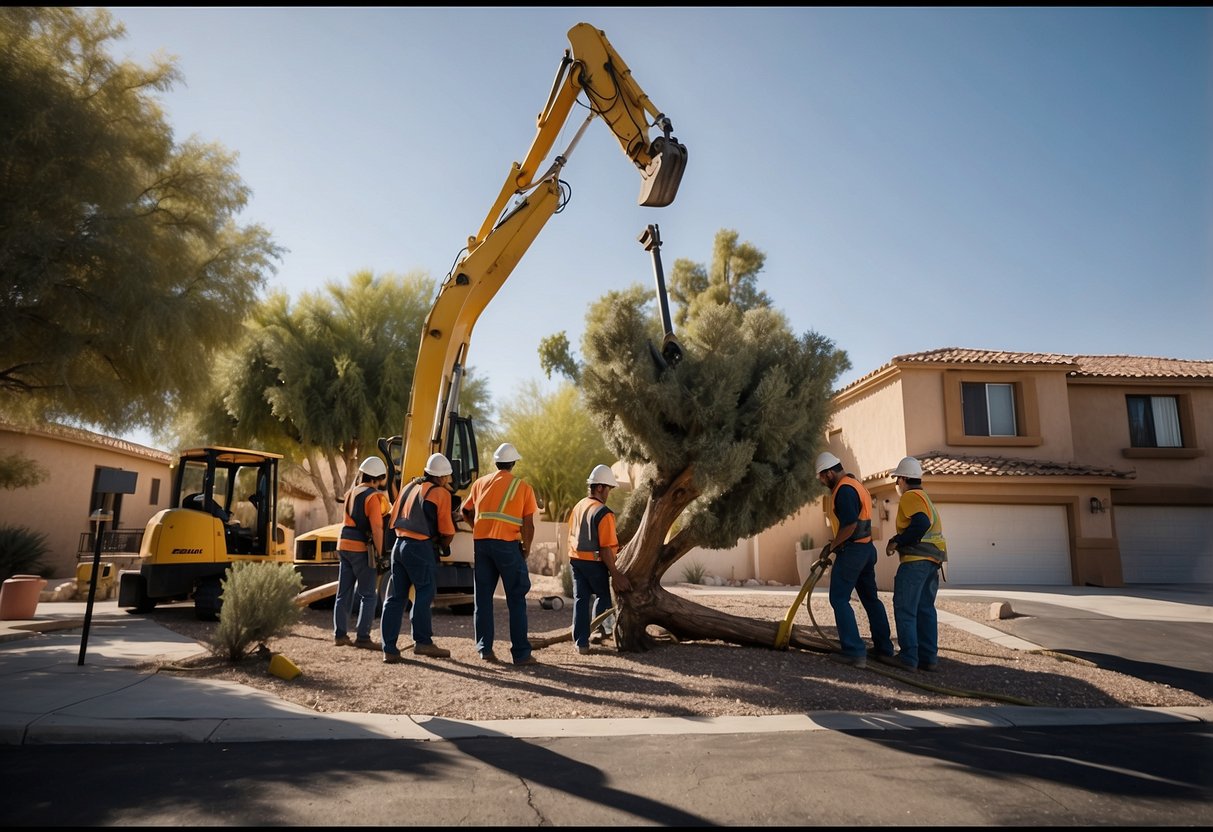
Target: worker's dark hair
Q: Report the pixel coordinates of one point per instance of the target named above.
(506, 466)
(913, 482)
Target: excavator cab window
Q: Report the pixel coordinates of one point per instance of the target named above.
(461, 451)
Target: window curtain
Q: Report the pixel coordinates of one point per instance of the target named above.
(1166, 421)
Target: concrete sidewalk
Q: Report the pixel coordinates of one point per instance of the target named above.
(47, 696)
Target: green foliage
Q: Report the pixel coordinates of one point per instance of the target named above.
(22, 552)
(558, 441)
(555, 356)
(122, 268)
(806, 541)
(566, 580)
(731, 280)
(693, 572)
(321, 379)
(19, 471)
(258, 604)
(745, 412)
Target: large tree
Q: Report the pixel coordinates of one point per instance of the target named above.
(726, 438)
(122, 268)
(320, 380)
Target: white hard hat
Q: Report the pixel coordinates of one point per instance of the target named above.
(506, 453)
(602, 475)
(438, 465)
(374, 467)
(909, 467)
(826, 460)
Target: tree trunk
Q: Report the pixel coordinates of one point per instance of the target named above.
(689, 621)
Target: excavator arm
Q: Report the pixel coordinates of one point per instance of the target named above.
(591, 67)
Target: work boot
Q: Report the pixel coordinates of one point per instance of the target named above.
(431, 650)
(894, 661)
(853, 661)
(366, 644)
(529, 660)
(490, 657)
(585, 651)
(393, 658)
(341, 641)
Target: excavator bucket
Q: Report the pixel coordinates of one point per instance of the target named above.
(661, 177)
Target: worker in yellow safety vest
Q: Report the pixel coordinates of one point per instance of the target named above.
(923, 551)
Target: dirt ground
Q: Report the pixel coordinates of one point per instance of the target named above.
(674, 679)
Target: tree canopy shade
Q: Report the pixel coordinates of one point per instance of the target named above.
(320, 381)
(121, 265)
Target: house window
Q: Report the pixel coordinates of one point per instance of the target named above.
(1154, 422)
(989, 409)
(154, 499)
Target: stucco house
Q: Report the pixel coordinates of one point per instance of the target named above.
(1046, 468)
(61, 505)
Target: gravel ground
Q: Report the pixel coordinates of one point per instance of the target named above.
(687, 679)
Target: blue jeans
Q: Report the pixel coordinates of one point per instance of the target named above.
(914, 590)
(501, 559)
(590, 577)
(854, 570)
(354, 568)
(412, 566)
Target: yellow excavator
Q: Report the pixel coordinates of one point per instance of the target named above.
(593, 72)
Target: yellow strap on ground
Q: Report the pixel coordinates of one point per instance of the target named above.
(785, 628)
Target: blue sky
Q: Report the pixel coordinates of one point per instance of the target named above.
(1031, 179)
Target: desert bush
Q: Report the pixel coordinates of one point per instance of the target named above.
(693, 572)
(22, 552)
(258, 604)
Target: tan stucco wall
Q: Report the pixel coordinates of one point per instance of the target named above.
(59, 506)
(1102, 434)
(850, 436)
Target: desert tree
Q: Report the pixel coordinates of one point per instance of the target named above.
(122, 267)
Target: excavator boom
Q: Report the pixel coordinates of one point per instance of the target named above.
(593, 69)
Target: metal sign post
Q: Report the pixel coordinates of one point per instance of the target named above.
(109, 483)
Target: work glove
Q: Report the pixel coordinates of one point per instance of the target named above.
(823, 559)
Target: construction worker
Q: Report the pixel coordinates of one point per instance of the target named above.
(422, 520)
(365, 507)
(854, 567)
(500, 508)
(591, 549)
(923, 551)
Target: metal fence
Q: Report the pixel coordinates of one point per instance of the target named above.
(115, 541)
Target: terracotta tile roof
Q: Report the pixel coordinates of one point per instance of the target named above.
(1078, 366)
(1133, 366)
(97, 439)
(939, 463)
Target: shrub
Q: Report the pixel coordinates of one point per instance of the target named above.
(258, 604)
(22, 551)
(806, 542)
(693, 572)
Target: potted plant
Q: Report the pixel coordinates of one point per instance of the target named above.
(805, 556)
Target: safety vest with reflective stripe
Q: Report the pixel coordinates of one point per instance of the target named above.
(932, 546)
(863, 527)
(501, 502)
(585, 542)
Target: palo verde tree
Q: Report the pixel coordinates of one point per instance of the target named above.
(122, 268)
(559, 443)
(322, 379)
(726, 438)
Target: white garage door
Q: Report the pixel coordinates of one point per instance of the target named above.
(1165, 544)
(1006, 545)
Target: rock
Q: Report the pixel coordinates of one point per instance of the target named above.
(1000, 610)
